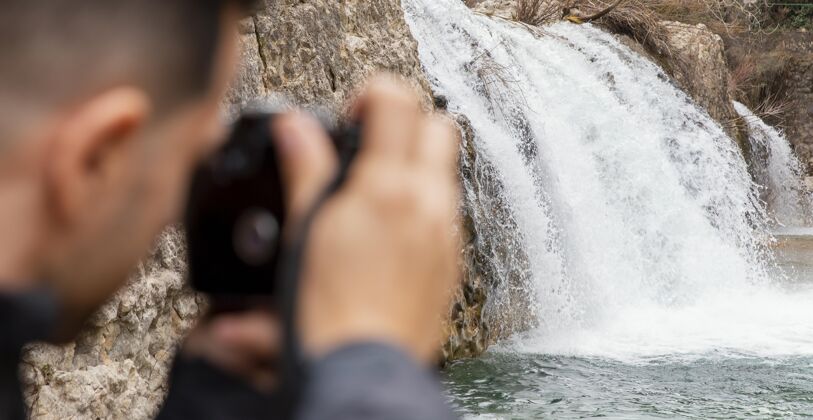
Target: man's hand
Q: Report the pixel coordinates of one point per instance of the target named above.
(246, 345)
(381, 257)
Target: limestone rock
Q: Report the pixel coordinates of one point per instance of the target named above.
(321, 52)
(501, 8)
(249, 83)
(492, 303)
(697, 62)
(117, 368)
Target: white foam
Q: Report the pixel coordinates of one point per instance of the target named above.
(748, 323)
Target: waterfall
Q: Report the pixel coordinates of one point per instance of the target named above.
(779, 171)
(630, 215)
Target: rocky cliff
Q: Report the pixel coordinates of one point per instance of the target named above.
(316, 52)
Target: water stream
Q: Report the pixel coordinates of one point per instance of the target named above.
(647, 250)
(779, 172)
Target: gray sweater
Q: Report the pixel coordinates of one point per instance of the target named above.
(373, 381)
(24, 318)
(359, 382)
(365, 381)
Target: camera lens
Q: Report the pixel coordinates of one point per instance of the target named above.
(256, 234)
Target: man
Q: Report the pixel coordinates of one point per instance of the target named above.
(106, 106)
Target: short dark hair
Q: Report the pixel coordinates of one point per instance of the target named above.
(53, 50)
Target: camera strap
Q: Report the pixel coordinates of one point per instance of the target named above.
(291, 263)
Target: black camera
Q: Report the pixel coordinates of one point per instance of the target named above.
(236, 210)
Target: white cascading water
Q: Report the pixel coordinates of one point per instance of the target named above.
(778, 169)
(643, 231)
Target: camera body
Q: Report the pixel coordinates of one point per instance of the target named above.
(236, 210)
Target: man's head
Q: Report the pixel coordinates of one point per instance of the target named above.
(105, 107)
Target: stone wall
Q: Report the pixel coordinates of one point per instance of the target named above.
(316, 52)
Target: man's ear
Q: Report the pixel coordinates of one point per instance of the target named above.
(89, 147)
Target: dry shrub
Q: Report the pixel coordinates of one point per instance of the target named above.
(636, 19)
(641, 19)
(721, 16)
(759, 79)
(536, 12)
(495, 78)
(773, 109)
(741, 77)
(769, 93)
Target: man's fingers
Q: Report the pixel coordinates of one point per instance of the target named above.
(246, 345)
(307, 159)
(255, 335)
(390, 113)
(437, 145)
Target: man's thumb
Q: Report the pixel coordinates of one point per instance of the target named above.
(307, 159)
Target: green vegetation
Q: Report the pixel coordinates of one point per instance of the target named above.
(798, 15)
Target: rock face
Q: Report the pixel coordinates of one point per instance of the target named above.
(315, 52)
(502, 8)
(493, 302)
(117, 367)
(698, 64)
(799, 121)
(320, 52)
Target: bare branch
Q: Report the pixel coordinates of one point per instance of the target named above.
(535, 12)
(596, 16)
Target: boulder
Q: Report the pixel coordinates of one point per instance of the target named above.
(501, 8)
(696, 60)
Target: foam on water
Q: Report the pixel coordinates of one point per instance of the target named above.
(644, 233)
(751, 323)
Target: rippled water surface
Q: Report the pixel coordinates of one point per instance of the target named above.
(519, 386)
(720, 382)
